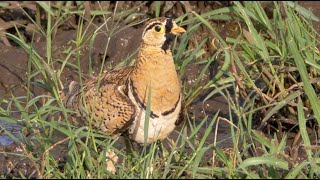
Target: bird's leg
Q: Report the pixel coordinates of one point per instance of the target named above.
(160, 146)
(130, 148)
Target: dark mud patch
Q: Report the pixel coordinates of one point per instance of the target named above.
(13, 63)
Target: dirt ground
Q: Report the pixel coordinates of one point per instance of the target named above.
(13, 73)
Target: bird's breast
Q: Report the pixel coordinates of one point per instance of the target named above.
(161, 80)
(154, 75)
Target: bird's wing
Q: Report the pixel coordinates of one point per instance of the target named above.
(104, 101)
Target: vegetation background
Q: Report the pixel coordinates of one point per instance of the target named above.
(249, 72)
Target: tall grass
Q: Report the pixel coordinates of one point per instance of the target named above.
(262, 52)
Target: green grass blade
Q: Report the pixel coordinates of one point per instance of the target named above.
(293, 40)
(270, 161)
(303, 128)
(294, 172)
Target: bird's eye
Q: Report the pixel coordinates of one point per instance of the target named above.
(157, 28)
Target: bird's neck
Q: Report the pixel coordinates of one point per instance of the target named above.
(155, 55)
(153, 62)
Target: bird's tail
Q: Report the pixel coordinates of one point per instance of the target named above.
(70, 93)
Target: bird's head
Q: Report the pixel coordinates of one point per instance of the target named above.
(159, 32)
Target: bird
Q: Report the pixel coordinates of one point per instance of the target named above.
(117, 102)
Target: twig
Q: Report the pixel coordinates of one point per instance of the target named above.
(34, 164)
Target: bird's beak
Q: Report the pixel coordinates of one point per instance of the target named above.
(177, 30)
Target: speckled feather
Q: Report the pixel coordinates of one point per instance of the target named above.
(111, 109)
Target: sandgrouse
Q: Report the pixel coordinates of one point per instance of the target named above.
(117, 101)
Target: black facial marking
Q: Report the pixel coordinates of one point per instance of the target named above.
(169, 36)
(169, 25)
